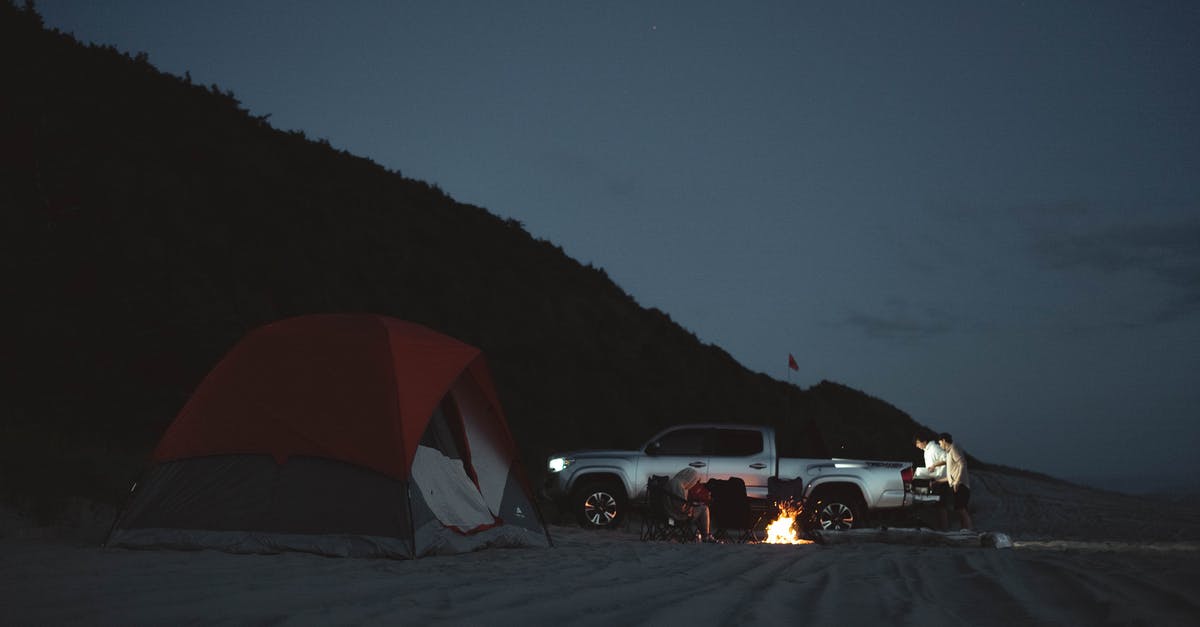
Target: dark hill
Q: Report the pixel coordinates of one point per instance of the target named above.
(150, 222)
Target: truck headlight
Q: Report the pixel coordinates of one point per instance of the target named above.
(558, 463)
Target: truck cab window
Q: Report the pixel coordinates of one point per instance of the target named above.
(681, 442)
(738, 442)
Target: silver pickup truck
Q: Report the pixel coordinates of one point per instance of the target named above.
(598, 487)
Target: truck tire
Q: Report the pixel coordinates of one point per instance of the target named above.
(599, 504)
(836, 509)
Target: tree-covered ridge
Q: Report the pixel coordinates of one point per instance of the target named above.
(150, 222)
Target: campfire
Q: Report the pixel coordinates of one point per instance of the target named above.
(782, 530)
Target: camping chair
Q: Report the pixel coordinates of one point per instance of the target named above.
(664, 518)
(785, 492)
(782, 493)
(732, 520)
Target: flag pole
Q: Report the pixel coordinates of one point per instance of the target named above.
(787, 398)
(787, 392)
(787, 406)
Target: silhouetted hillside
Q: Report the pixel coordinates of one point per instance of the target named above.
(150, 222)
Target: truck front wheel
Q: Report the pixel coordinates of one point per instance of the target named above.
(599, 504)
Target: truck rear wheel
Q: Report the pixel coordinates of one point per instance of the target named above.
(599, 504)
(835, 510)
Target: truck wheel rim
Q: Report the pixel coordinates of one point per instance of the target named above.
(600, 508)
(836, 516)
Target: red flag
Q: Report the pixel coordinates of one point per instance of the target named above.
(792, 363)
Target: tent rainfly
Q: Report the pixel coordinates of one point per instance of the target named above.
(341, 435)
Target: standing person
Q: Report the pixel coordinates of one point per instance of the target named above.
(679, 486)
(935, 471)
(957, 477)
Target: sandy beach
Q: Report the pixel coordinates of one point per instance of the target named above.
(1080, 557)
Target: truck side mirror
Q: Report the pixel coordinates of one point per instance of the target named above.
(652, 448)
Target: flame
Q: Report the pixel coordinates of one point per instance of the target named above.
(782, 530)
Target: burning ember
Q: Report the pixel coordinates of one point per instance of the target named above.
(782, 530)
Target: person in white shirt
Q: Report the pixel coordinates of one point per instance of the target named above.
(934, 453)
(935, 471)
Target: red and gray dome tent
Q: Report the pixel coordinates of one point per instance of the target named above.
(354, 435)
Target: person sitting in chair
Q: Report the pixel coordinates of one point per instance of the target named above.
(678, 488)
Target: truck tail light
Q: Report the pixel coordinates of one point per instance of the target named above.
(906, 475)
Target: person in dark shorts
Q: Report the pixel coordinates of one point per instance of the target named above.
(957, 478)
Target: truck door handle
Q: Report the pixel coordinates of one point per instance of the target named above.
(758, 465)
(697, 464)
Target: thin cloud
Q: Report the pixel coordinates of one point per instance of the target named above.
(1161, 249)
(1168, 253)
(1062, 210)
(899, 324)
(594, 174)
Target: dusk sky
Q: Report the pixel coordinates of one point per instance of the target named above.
(984, 213)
